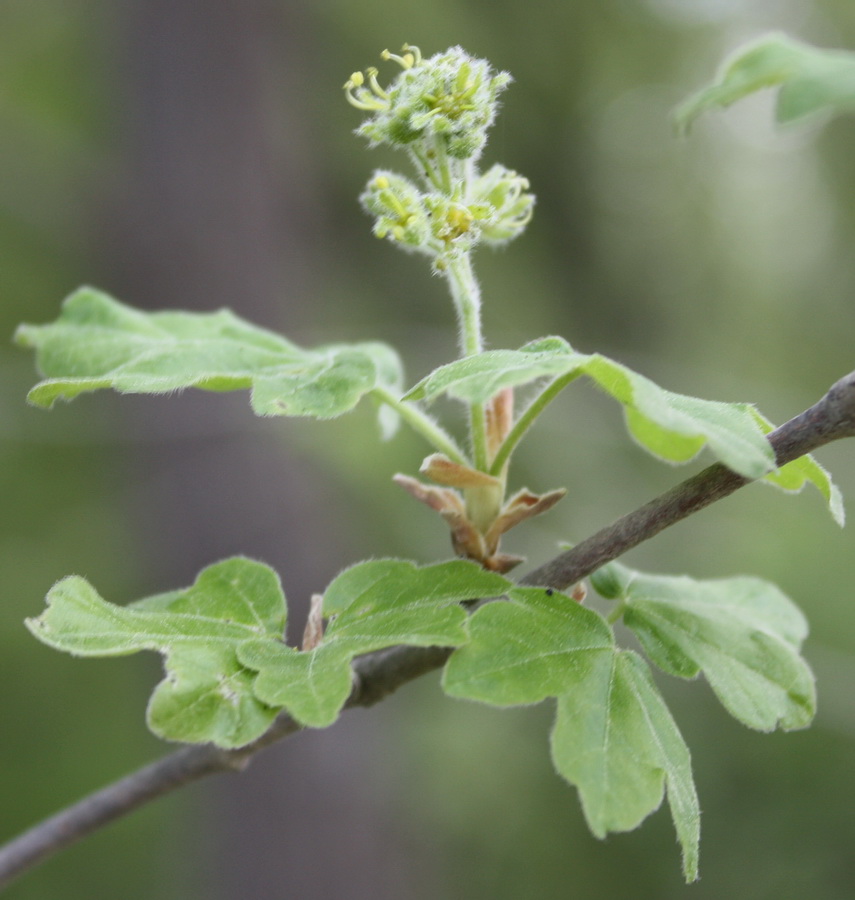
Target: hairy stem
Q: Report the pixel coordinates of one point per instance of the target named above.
(616, 613)
(466, 295)
(379, 674)
(424, 167)
(422, 424)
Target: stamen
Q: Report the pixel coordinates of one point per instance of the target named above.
(460, 83)
(359, 96)
(375, 85)
(393, 203)
(407, 61)
(413, 53)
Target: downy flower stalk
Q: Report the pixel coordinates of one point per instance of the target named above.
(439, 110)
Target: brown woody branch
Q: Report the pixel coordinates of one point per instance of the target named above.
(381, 673)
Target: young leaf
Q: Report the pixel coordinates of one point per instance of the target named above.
(613, 737)
(375, 604)
(475, 379)
(672, 426)
(811, 80)
(98, 342)
(207, 694)
(312, 685)
(743, 633)
(520, 652)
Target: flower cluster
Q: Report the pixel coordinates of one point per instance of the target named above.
(399, 211)
(494, 209)
(439, 109)
(450, 99)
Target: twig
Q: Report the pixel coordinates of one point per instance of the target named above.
(381, 673)
(833, 417)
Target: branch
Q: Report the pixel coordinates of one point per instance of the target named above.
(381, 673)
(833, 417)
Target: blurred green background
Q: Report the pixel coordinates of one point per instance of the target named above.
(196, 155)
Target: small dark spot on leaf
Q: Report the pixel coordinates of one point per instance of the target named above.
(549, 592)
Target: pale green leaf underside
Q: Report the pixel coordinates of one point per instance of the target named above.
(672, 426)
(742, 633)
(98, 343)
(376, 604)
(811, 80)
(477, 378)
(207, 694)
(613, 738)
(796, 474)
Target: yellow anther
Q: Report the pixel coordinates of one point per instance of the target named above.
(460, 219)
(362, 100)
(413, 52)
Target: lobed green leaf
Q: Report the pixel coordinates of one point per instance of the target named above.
(98, 343)
(811, 80)
(375, 604)
(613, 737)
(672, 426)
(312, 685)
(742, 633)
(207, 694)
(520, 652)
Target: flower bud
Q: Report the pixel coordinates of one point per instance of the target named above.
(612, 580)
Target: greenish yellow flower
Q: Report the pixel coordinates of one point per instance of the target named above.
(505, 194)
(449, 99)
(399, 211)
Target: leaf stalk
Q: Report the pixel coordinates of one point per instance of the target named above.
(422, 424)
(526, 419)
